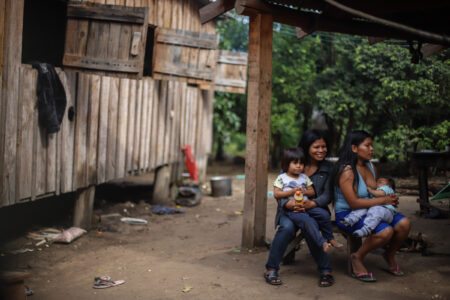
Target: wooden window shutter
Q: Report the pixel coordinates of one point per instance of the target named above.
(107, 38)
(231, 72)
(185, 56)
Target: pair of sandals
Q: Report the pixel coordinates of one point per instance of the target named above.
(368, 276)
(272, 277)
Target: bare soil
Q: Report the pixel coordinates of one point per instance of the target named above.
(197, 255)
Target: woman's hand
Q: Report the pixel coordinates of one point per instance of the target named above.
(309, 204)
(391, 199)
(292, 205)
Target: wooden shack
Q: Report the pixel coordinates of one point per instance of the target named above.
(139, 81)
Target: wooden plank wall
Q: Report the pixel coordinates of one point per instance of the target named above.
(121, 126)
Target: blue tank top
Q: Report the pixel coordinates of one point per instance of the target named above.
(340, 202)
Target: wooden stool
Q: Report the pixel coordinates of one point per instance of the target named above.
(12, 285)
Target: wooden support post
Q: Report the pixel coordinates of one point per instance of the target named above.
(161, 187)
(259, 98)
(84, 206)
(423, 188)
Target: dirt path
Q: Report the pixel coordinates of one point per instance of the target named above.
(196, 255)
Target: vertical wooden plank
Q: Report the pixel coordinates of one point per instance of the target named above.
(162, 123)
(82, 37)
(50, 182)
(199, 124)
(69, 80)
(92, 129)
(258, 130)
(155, 122)
(27, 104)
(151, 8)
(10, 90)
(2, 35)
(81, 121)
(137, 124)
(149, 121)
(175, 120)
(122, 122)
(130, 130)
(144, 124)
(112, 129)
(167, 13)
(40, 158)
(160, 12)
(193, 116)
(168, 121)
(103, 129)
(144, 128)
(114, 36)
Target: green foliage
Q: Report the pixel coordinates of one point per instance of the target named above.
(359, 86)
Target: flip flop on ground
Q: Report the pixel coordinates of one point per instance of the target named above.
(104, 282)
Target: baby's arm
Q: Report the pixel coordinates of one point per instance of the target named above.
(376, 193)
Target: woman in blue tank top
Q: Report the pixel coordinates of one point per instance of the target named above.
(354, 173)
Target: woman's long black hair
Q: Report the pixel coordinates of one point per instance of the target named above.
(347, 157)
(308, 138)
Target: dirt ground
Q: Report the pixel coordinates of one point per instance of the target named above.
(197, 255)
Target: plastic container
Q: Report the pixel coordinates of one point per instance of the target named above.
(220, 186)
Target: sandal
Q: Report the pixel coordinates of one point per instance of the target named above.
(104, 282)
(393, 270)
(272, 277)
(326, 280)
(365, 277)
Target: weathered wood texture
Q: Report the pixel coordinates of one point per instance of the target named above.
(113, 127)
(231, 72)
(106, 37)
(185, 55)
(259, 99)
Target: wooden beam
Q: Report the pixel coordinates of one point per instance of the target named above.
(107, 13)
(84, 208)
(215, 9)
(259, 98)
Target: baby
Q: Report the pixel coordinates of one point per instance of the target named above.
(375, 214)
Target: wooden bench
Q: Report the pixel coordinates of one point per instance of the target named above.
(12, 285)
(353, 244)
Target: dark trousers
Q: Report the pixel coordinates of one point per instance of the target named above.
(286, 232)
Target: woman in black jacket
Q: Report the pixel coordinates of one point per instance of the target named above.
(319, 171)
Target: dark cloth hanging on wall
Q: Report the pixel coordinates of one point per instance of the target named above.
(51, 97)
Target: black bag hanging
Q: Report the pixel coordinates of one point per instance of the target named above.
(51, 97)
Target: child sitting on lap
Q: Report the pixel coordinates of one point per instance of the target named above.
(292, 181)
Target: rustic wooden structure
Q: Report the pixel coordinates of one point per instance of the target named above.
(139, 80)
(409, 20)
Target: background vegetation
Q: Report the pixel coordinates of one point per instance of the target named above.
(352, 84)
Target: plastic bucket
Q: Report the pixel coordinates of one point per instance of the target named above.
(220, 186)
